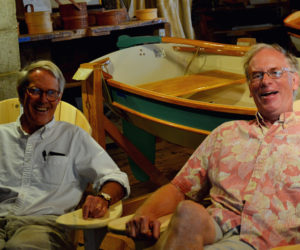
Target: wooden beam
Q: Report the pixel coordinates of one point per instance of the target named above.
(155, 175)
(92, 102)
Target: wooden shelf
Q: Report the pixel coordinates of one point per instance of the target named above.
(63, 35)
(225, 24)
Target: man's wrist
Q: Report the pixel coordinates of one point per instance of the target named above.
(105, 196)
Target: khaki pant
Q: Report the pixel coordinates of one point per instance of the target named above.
(228, 241)
(33, 232)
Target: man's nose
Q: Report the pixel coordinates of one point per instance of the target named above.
(43, 96)
(266, 78)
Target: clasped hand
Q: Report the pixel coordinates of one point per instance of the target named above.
(94, 207)
(142, 227)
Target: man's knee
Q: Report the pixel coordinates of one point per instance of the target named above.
(194, 217)
(191, 211)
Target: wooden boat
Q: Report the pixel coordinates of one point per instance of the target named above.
(174, 91)
(179, 90)
(292, 23)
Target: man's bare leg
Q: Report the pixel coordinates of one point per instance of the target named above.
(191, 227)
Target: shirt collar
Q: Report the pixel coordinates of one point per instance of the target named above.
(42, 132)
(284, 119)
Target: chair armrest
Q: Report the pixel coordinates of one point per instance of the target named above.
(118, 226)
(75, 220)
(291, 247)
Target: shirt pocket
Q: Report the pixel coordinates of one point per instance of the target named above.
(54, 169)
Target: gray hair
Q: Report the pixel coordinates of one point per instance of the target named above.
(23, 81)
(292, 60)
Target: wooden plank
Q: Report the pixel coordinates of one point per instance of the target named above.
(131, 205)
(57, 34)
(155, 175)
(211, 47)
(67, 113)
(190, 84)
(104, 29)
(64, 35)
(93, 104)
(209, 50)
(78, 33)
(69, 85)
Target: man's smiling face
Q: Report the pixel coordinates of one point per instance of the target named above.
(38, 110)
(272, 96)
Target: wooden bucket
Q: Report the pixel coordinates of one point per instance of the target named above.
(92, 16)
(38, 22)
(146, 14)
(111, 17)
(73, 17)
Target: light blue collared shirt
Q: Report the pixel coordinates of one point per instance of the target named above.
(47, 172)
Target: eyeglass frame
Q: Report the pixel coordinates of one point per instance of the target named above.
(41, 92)
(262, 74)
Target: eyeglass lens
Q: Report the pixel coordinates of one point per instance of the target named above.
(51, 94)
(273, 73)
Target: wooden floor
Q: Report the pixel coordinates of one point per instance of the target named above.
(169, 160)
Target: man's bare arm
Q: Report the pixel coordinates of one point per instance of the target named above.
(162, 202)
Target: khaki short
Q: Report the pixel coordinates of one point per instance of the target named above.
(33, 233)
(228, 241)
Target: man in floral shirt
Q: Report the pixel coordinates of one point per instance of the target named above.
(251, 170)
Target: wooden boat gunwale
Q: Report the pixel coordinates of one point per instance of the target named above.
(293, 34)
(289, 21)
(182, 101)
(160, 121)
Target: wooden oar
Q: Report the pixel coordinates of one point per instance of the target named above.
(210, 47)
(223, 51)
(125, 41)
(293, 20)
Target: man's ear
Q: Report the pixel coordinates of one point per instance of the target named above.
(295, 81)
(250, 95)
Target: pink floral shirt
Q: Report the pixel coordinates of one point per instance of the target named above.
(253, 173)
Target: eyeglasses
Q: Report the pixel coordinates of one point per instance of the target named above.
(51, 94)
(257, 76)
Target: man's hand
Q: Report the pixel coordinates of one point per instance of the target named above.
(142, 227)
(94, 207)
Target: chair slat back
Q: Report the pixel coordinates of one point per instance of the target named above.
(68, 113)
(10, 110)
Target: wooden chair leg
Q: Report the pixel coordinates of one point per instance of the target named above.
(117, 242)
(93, 238)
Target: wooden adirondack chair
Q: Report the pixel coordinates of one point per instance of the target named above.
(10, 110)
